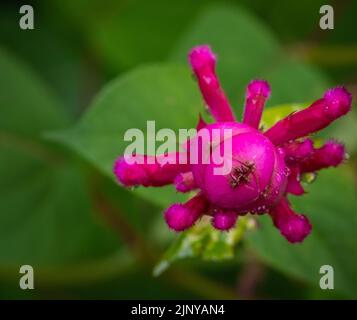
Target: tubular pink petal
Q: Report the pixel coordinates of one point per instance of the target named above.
(258, 91)
(338, 102)
(335, 103)
(297, 151)
(331, 154)
(148, 170)
(180, 217)
(185, 182)
(294, 227)
(203, 63)
(294, 185)
(224, 220)
(130, 174)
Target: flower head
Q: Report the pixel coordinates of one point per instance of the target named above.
(264, 167)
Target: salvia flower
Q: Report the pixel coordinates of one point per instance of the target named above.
(265, 166)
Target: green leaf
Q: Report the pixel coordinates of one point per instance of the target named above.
(330, 204)
(62, 65)
(164, 93)
(274, 114)
(203, 241)
(46, 215)
(27, 107)
(126, 33)
(134, 32)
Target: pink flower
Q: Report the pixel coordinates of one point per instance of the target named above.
(264, 166)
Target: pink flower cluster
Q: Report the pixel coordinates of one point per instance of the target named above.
(266, 166)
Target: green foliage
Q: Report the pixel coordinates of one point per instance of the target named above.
(164, 93)
(46, 217)
(23, 97)
(51, 214)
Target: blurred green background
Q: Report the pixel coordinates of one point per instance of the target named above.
(92, 69)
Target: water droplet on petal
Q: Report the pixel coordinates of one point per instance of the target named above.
(308, 177)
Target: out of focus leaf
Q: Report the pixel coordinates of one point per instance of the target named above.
(27, 108)
(126, 33)
(142, 31)
(61, 67)
(331, 206)
(274, 114)
(46, 216)
(164, 93)
(203, 241)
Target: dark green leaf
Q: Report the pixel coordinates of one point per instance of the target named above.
(331, 206)
(46, 216)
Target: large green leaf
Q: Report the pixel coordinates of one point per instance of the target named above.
(61, 67)
(46, 216)
(164, 93)
(27, 107)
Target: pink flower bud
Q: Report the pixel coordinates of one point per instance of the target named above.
(180, 217)
(294, 227)
(203, 63)
(297, 151)
(185, 182)
(335, 103)
(148, 170)
(331, 154)
(252, 165)
(224, 220)
(258, 91)
(259, 169)
(338, 102)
